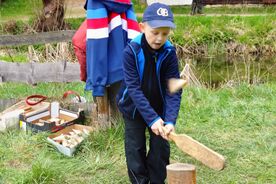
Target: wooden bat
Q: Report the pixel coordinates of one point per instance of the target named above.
(175, 85)
(198, 151)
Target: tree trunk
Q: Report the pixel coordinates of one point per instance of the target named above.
(51, 17)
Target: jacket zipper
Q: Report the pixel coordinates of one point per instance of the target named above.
(158, 75)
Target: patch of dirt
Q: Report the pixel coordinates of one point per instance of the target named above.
(74, 8)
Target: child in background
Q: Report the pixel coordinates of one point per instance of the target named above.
(149, 61)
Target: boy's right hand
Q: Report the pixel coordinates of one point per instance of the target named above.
(157, 127)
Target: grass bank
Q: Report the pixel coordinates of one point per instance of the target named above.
(196, 35)
(28, 8)
(53, 90)
(232, 35)
(237, 122)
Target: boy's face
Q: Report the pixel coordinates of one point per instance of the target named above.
(156, 37)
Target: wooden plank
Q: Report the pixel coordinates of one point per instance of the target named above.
(37, 38)
(16, 72)
(198, 151)
(5, 103)
(33, 73)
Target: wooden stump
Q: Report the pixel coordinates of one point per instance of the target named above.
(179, 173)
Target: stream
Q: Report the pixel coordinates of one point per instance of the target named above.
(216, 71)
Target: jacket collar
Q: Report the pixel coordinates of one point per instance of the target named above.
(138, 40)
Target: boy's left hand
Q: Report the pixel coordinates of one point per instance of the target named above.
(167, 130)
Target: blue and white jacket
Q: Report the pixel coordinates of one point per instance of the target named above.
(110, 25)
(131, 98)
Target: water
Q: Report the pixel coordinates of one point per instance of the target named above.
(220, 70)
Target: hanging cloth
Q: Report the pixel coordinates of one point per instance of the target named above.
(110, 25)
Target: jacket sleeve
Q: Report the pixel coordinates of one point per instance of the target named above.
(79, 43)
(172, 101)
(132, 81)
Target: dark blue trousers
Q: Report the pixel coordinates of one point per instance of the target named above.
(145, 167)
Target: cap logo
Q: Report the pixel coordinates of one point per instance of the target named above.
(162, 12)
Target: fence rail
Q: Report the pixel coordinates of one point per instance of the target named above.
(37, 38)
(33, 73)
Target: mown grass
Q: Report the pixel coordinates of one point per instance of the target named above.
(237, 122)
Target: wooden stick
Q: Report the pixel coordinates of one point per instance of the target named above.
(175, 85)
(198, 151)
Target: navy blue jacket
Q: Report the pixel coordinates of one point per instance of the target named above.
(131, 98)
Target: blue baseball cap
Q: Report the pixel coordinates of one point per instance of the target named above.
(159, 15)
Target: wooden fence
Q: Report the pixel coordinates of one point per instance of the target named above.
(38, 38)
(104, 108)
(32, 72)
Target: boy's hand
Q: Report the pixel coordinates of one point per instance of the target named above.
(157, 127)
(168, 129)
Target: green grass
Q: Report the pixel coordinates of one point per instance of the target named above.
(19, 57)
(237, 122)
(228, 9)
(17, 9)
(217, 35)
(224, 9)
(214, 35)
(52, 90)
(13, 9)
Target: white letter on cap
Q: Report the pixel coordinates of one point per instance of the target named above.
(163, 12)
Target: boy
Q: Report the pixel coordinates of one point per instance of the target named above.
(148, 62)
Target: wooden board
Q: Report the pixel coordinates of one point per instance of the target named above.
(198, 151)
(38, 38)
(33, 73)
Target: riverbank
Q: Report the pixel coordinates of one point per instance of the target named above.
(238, 35)
(202, 35)
(228, 29)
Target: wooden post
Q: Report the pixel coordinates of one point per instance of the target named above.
(105, 109)
(100, 113)
(179, 173)
(112, 93)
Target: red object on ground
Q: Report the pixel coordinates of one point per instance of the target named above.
(79, 43)
(39, 99)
